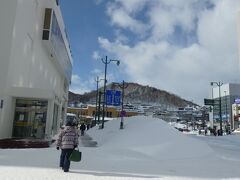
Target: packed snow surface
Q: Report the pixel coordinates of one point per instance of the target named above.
(145, 148)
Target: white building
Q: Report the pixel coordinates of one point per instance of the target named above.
(35, 68)
(228, 92)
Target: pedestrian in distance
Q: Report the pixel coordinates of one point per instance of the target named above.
(82, 128)
(205, 131)
(67, 141)
(88, 126)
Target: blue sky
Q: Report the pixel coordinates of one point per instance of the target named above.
(85, 21)
(175, 45)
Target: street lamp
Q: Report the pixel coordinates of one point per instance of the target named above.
(106, 62)
(122, 86)
(219, 84)
(96, 109)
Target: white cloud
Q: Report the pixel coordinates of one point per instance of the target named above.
(132, 6)
(121, 15)
(184, 69)
(217, 30)
(96, 55)
(75, 79)
(98, 1)
(80, 86)
(120, 18)
(96, 72)
(79, 90)
(166, 15)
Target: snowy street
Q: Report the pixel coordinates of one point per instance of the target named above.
(145, 148)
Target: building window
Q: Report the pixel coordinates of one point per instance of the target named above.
(30, 118)
(47, 24)
(45, 35)
(47, 18)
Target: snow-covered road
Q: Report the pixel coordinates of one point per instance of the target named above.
(146, 148)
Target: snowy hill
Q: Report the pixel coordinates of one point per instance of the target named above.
(150, 138)
(145, 148)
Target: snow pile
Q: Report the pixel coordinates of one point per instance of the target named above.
(145, 148)
(149, 137)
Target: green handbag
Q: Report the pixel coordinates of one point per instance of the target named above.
(76, 155)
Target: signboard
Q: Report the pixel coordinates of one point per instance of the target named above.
(117, 98)
(237, 101)
(113, 97)
(109, 97)
(209, 102)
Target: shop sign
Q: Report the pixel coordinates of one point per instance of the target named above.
(237, 101)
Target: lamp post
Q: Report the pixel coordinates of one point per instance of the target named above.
(106, 62)
(122, 86)
(225, 93)
(219, 84)
(96, 109)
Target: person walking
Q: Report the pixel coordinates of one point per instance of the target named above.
(67, 141)
(82, 128)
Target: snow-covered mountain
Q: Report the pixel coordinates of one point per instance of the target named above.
(136, 93)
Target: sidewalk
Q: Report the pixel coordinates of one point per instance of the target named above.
(86, 141)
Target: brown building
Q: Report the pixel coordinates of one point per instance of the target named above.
(88, 112)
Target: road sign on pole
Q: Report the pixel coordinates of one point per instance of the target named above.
(109, 97)
(113, 97)
(117, 98)
(209, 102)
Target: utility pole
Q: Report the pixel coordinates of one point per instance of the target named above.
(96, 109)
(99, 106)
(106, 62)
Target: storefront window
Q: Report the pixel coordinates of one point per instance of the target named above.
(30, 118)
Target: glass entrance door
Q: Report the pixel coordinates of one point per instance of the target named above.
(30, 118)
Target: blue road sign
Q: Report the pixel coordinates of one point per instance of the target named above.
(113, 97)
(109, 97)
(117, 98)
